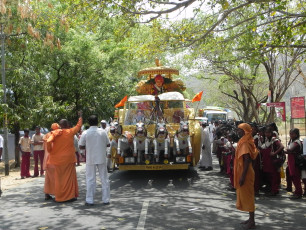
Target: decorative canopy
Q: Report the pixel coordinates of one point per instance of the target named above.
(158, 69)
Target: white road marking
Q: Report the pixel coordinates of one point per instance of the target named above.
(143, 215)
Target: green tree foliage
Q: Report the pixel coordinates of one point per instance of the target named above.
(92, 72)
(84, 54)
(284, 18)
(69, 68)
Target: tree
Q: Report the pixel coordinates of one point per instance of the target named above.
(92, 71)
(286, 17)
(239, 52)
(241, 87)
(21, 28)
(281, 68)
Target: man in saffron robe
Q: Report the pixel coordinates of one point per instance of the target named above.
(244, 175)
(49, 168)
(60, 145)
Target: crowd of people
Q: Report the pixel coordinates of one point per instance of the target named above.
(255, 159)
(269, 165)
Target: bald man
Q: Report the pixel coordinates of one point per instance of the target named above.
(60, 145)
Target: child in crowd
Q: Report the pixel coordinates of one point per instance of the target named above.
(230, 148)
(269, 151)
(257, 161)
(220, 143)
(294, 148)
(274, 129)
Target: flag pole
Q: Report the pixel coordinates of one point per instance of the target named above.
(195, 98)
(195, 112)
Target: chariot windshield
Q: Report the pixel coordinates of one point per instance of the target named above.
(173, 112)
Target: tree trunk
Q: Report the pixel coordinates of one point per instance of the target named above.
(17, 136)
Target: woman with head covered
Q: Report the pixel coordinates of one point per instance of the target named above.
(49, 168)
(244, 175)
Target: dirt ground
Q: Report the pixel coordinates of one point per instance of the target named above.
(13, 179)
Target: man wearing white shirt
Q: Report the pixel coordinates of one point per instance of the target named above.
(95, 141)
(206, 158)
(104, 126)
(1, 147)
(38, 151)
(210, 130)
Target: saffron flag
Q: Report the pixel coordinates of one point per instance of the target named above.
(121, 103)
(197, 97)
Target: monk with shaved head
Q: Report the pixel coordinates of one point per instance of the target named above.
(64, 124)
(60, 145)
(244, 175)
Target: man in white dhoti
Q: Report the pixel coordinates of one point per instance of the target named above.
(95, 141)
(210, 131)
(206, 158)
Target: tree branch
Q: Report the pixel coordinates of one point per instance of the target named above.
(176, 7)
(291, 14)
(224, 16)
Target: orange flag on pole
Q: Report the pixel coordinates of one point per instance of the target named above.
(197, 97)
(121, 103)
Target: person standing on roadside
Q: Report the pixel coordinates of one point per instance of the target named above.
(1, 147)
(60, 145)
(304, 170)
(49, 168)
(105, 126)
(206, 158)
(294, 148)
(25, 149)
(77, 149)
(95, 141)
(38, 151)
(244, 175)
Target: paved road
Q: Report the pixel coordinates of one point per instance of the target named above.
(148, 200)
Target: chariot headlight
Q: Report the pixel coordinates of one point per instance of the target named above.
(129, 160)
(180, 159)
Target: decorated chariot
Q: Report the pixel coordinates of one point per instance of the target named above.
(155, 130)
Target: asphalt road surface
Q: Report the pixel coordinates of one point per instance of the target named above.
(169, 200)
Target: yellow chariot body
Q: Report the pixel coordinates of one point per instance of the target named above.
(169, 133)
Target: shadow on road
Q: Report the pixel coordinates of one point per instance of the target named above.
(181, 179)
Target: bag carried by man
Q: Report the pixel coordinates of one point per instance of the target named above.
(300, 160)
(279, 159)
